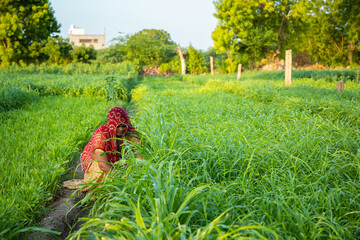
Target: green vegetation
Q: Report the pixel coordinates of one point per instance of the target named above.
(24, 29)
(11, 98)
(46, 120)
(195, 61)
(323, 31)
(253, 33)
(230, 159)
(148, 47)
(221, 158)
(84, 54)
(75, 68)
(38, 144)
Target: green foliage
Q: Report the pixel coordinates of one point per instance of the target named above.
(38, 145)
(254, 28)
(76, 84)
(116, 52)
(32, 139)
(11, 98)
(221, 158)
(54, 51)
(195, 61)
(326, 30)
(119, 88)
(148, 47)
(235, 159)
(330, 76)
(23, 24)
(122, 68)
(83, 54)
(174, 66)
(334, 40)
(219, 59)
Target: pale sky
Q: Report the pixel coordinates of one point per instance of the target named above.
(187, 21)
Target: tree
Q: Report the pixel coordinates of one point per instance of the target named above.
(326, 30)
(22, 24)
(116, 52)
(182, 59)
(332, 36)
(256, 28)
(195, 61)
(219, 59)
(54, 50)
(350, 19)
(150, 47)
(83, 54)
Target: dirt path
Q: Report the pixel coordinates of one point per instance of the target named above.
(65, 212)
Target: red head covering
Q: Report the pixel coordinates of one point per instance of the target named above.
(116, 116)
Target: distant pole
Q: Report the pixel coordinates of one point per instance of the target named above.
(212, 65)
(340, 86)
(288, 67)
(239, 72)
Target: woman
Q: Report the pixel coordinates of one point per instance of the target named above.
(104, 148)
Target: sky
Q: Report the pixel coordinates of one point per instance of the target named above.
(187, 21)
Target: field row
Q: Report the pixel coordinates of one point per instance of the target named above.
(39, 143)
(227, 159)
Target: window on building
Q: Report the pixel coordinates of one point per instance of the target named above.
(95, 40)
(85, 40)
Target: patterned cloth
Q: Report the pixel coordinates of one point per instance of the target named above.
(103, 137)
(102, 140)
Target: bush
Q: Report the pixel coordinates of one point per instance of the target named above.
(83, 54)
(195, 61)
(172, 67)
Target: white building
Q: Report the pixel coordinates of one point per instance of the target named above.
(76, 31)
(77, 37)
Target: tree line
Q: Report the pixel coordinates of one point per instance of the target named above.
(248, 32)
(29, 34)
(316, 30)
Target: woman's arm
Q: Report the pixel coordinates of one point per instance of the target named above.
(103, 161)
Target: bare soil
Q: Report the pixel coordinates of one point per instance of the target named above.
(65, 212)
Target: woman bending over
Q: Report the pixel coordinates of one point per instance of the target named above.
(104, 148)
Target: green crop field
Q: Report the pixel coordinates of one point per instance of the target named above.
(222, 159)
(230, 159)
(37, 144)
(46, 120)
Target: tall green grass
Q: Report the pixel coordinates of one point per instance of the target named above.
(38, 145)
(45, 119)
(74, 68)
(11, 98)
(327, 75)
(225, 160)
(70, 85)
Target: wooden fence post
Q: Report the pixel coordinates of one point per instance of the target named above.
(288, 62)
(340, 86)
(212, 65)
(239, 72)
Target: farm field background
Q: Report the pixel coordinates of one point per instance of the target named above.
(221, 158)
